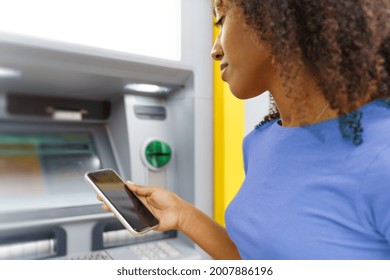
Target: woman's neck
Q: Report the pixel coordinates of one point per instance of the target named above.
(302, 106)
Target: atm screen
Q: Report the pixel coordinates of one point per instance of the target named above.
(45, 163)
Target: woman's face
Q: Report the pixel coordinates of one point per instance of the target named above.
(245, 63)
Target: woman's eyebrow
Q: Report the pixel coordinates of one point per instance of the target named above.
(218, 4)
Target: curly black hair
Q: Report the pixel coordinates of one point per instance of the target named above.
(344, 43)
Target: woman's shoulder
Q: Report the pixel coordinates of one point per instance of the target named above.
(260, 128)
(263, 125)
(256, 132)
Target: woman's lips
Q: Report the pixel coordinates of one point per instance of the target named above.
(223, 67)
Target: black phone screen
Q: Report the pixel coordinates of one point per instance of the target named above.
(125, 201)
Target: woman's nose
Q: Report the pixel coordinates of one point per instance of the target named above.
(216, 51)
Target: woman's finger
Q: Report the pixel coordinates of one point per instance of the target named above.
(105, 208)
(142, 191)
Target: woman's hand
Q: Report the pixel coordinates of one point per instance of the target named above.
(166, 206)
(175, 213)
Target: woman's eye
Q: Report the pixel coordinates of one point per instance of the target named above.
(219, 22)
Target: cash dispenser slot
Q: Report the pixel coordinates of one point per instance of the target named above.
(40, 244)
(110, 234)
(58, 108)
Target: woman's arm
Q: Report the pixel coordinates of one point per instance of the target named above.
(175, 213)
(208, 234)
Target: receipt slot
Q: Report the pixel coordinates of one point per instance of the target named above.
(156, 155)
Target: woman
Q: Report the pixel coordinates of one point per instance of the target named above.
(317, 182)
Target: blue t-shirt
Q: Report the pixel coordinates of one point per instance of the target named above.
(309, 193)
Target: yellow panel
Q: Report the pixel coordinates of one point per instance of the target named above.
(228, 136)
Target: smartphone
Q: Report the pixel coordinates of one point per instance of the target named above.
(125, 204)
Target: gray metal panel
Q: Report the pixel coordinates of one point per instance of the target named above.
(118, 135)
(64, 69)
(197, 40)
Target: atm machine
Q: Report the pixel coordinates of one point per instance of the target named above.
(66, 112)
